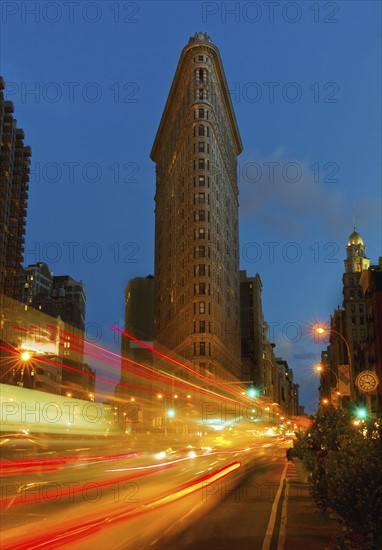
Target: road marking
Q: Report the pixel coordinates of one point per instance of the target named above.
(283, 522)
(272, 519)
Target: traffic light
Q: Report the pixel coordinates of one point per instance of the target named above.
(170, 413)
(252, 392)
(361, 413)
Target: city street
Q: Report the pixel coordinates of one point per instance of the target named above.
(188, 498)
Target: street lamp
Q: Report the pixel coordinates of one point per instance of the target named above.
(321, 370)
(25, 357)
(320, 329)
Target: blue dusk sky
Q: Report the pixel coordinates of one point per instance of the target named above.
(89, 81)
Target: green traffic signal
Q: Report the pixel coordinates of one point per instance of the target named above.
(361, 413)
(171, 413)
(251, 392)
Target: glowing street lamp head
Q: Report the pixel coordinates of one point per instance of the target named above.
(25, 356)
(325, 401)
(320, 329)
(251, 392)
(318, 368)
(170, 413)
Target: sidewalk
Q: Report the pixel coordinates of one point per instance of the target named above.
(306, 526)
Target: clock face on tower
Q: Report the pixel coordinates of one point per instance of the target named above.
(367, 381)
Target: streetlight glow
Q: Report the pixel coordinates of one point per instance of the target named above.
(25, 356)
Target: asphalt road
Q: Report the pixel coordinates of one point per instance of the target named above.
(246, 518)
(136, 499)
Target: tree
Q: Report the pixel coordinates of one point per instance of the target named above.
(345, 462)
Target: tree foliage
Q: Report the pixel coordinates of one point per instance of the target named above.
(345, 462)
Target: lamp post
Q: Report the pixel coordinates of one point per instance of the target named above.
(25, 357)
(320, 369)
(322, 330)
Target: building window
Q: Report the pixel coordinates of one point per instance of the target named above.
(202, 307)
(202, 233)
(199, 198)
(361, 308)
(201, 130)
(202, 288)
(202, 326)
(199, 252)
(200, 58)
(202, 348)
(201, 164)
(201, 113)
(202, 270)
(202, 215)
(201, 147)
(202, 181)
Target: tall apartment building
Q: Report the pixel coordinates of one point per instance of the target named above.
(37, 284)
(139, 321)
(196, 216)
(251, 323)
(14, 177)
(67, 299)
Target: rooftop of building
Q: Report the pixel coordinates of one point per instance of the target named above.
(355, 238)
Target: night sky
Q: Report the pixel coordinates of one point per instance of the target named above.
(305, 81)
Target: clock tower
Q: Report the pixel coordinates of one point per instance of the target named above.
(354, 302)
